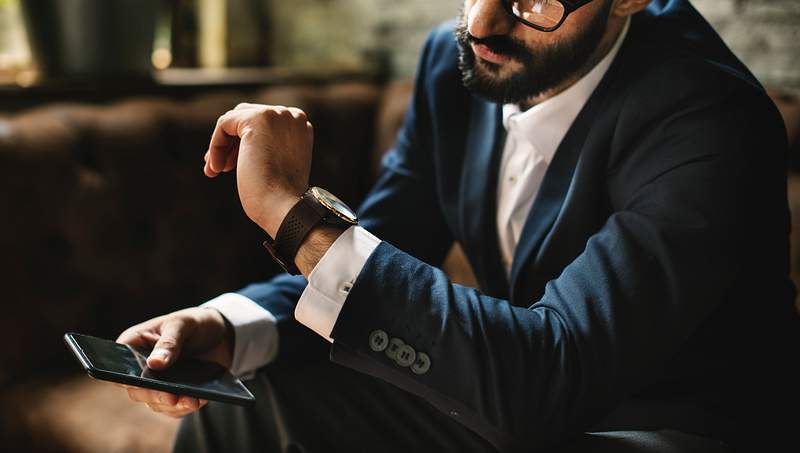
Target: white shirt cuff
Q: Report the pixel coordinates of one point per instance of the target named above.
(330, 281)
(255, 330)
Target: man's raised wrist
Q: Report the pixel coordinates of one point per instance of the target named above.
(274, 212)
(315, 245)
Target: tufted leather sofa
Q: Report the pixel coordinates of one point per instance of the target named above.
(108, 221)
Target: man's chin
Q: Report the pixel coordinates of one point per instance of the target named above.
(494, 82)
(494, 73)
(497, 73)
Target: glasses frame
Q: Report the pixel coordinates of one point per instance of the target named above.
(569, 8)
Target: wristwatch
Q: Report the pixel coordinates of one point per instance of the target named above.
(316, 206)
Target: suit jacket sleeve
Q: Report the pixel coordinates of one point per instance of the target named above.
(402, 207)
(527, 376)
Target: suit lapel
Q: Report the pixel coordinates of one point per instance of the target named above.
(478, 207)
(551, 195)
(485, 141)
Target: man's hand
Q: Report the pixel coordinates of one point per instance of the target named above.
(270, 146)
(198, 332)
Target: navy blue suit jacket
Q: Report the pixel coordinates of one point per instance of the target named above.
(650, 285)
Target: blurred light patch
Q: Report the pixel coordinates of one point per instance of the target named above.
(26, 78)
(6, 61)
(5, 129)
(14, 51)
(212, 20)
(162, 58)
(162, 43)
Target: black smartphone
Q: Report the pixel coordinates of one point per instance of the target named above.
(115, 362)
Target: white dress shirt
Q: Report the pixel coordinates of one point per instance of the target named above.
(532, 140)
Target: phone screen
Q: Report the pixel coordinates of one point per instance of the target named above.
(110, 357)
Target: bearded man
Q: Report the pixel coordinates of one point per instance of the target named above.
(616, 178)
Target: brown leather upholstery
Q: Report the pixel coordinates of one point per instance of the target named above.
(110, 221)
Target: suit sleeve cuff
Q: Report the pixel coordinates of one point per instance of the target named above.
(255, 332)
(331, 280)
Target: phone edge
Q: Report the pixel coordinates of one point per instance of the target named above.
(108, 376)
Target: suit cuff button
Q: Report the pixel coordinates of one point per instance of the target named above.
(394, 347)
(406, 355)
(378, 340)
(422, 364)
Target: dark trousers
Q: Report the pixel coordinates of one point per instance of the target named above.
(322, 407)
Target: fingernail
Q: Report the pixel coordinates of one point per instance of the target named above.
(160, 354)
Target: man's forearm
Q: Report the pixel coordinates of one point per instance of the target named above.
(314, 246)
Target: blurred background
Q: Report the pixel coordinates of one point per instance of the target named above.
(357, 35)
(344, 35)
(106, 108)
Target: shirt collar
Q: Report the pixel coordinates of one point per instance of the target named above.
(545, 125)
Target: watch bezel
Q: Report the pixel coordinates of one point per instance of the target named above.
(322, 196)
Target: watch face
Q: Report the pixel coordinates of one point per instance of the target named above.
(334, 204)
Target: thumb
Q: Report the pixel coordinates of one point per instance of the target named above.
(168, 346)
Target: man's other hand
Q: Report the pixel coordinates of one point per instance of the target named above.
(197, 332)
(270, 148)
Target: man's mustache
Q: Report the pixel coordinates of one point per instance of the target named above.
(502, 45)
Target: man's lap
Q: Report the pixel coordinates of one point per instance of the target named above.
(325, 407)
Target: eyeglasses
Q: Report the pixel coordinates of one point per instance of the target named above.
(543, 15)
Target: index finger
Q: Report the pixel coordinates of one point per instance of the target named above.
(137, 336)
(223, 141)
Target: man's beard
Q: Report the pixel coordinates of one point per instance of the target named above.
(542, 69)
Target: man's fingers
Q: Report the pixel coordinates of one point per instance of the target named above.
(218, 149)
(171, 411)
(168, 346)
(175, 413)
(138, 335)
(190, 403)
(179, 407)
(298, 114)
(248, 106)
(310, 131)
(223, 139)
(207, 166)
(131, 336)
(122, 386)
(141, 395)
(223, 149)
(232, 159)
(166, 403)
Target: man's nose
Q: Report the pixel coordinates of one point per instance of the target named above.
(488, 18)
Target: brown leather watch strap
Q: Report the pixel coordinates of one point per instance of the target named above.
(303, 216)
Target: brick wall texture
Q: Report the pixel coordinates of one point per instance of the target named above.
(765, 34)
(352, 32)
